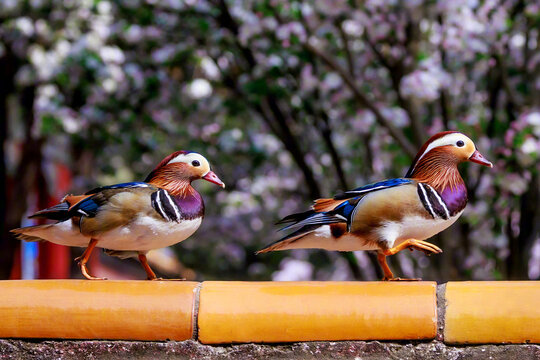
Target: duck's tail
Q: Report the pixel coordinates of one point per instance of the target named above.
(26, 233)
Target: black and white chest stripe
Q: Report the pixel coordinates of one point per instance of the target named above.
(433, 202)
(165, 206)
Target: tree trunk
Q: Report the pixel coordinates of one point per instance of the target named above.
(8, 65)
(529, 230)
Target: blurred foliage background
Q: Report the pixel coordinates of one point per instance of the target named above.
(289, 101)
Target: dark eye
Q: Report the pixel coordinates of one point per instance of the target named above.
(460, 143)
(195, 163)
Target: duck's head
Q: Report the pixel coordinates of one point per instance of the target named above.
(448, 148)
(182, 167)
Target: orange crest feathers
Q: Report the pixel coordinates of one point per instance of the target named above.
(424, 148)
(322, 205)
(164, 162)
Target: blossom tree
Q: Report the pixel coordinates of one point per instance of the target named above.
(290, 100)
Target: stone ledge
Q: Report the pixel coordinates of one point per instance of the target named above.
(366, 350)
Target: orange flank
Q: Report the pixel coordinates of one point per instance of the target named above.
(73, 200)
(322, 205)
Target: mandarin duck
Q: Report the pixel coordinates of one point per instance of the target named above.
(391, 215)
(130, 219)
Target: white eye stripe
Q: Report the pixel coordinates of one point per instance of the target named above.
(450, 139)
(182, 158)
(188, 159)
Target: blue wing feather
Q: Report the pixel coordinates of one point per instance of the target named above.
(343, 213)
(87, 207)
(345, 209)
(372, 187)
(324, 218)
(135, 184)
(57, 212)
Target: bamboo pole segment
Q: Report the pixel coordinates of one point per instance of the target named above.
(82, 309)
(492, 312)
(232, 312)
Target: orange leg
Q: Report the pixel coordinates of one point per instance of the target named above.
(150, 275)
(410, 244)
(83, 259)
(386, 269)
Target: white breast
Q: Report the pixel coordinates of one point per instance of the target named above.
(414, 227)
(147, 233)
(143, 234)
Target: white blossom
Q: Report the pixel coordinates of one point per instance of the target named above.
(200, 88)
(293, 270)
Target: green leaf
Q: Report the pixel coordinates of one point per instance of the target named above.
(421, 56)
(50, 125)
(257, 87)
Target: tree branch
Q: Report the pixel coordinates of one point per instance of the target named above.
(363, 100)
(348, 54)
(322, 124)
(277, 115)
(397, 70)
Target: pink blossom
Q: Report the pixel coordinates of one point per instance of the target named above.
(293, 270)
(421, 84)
